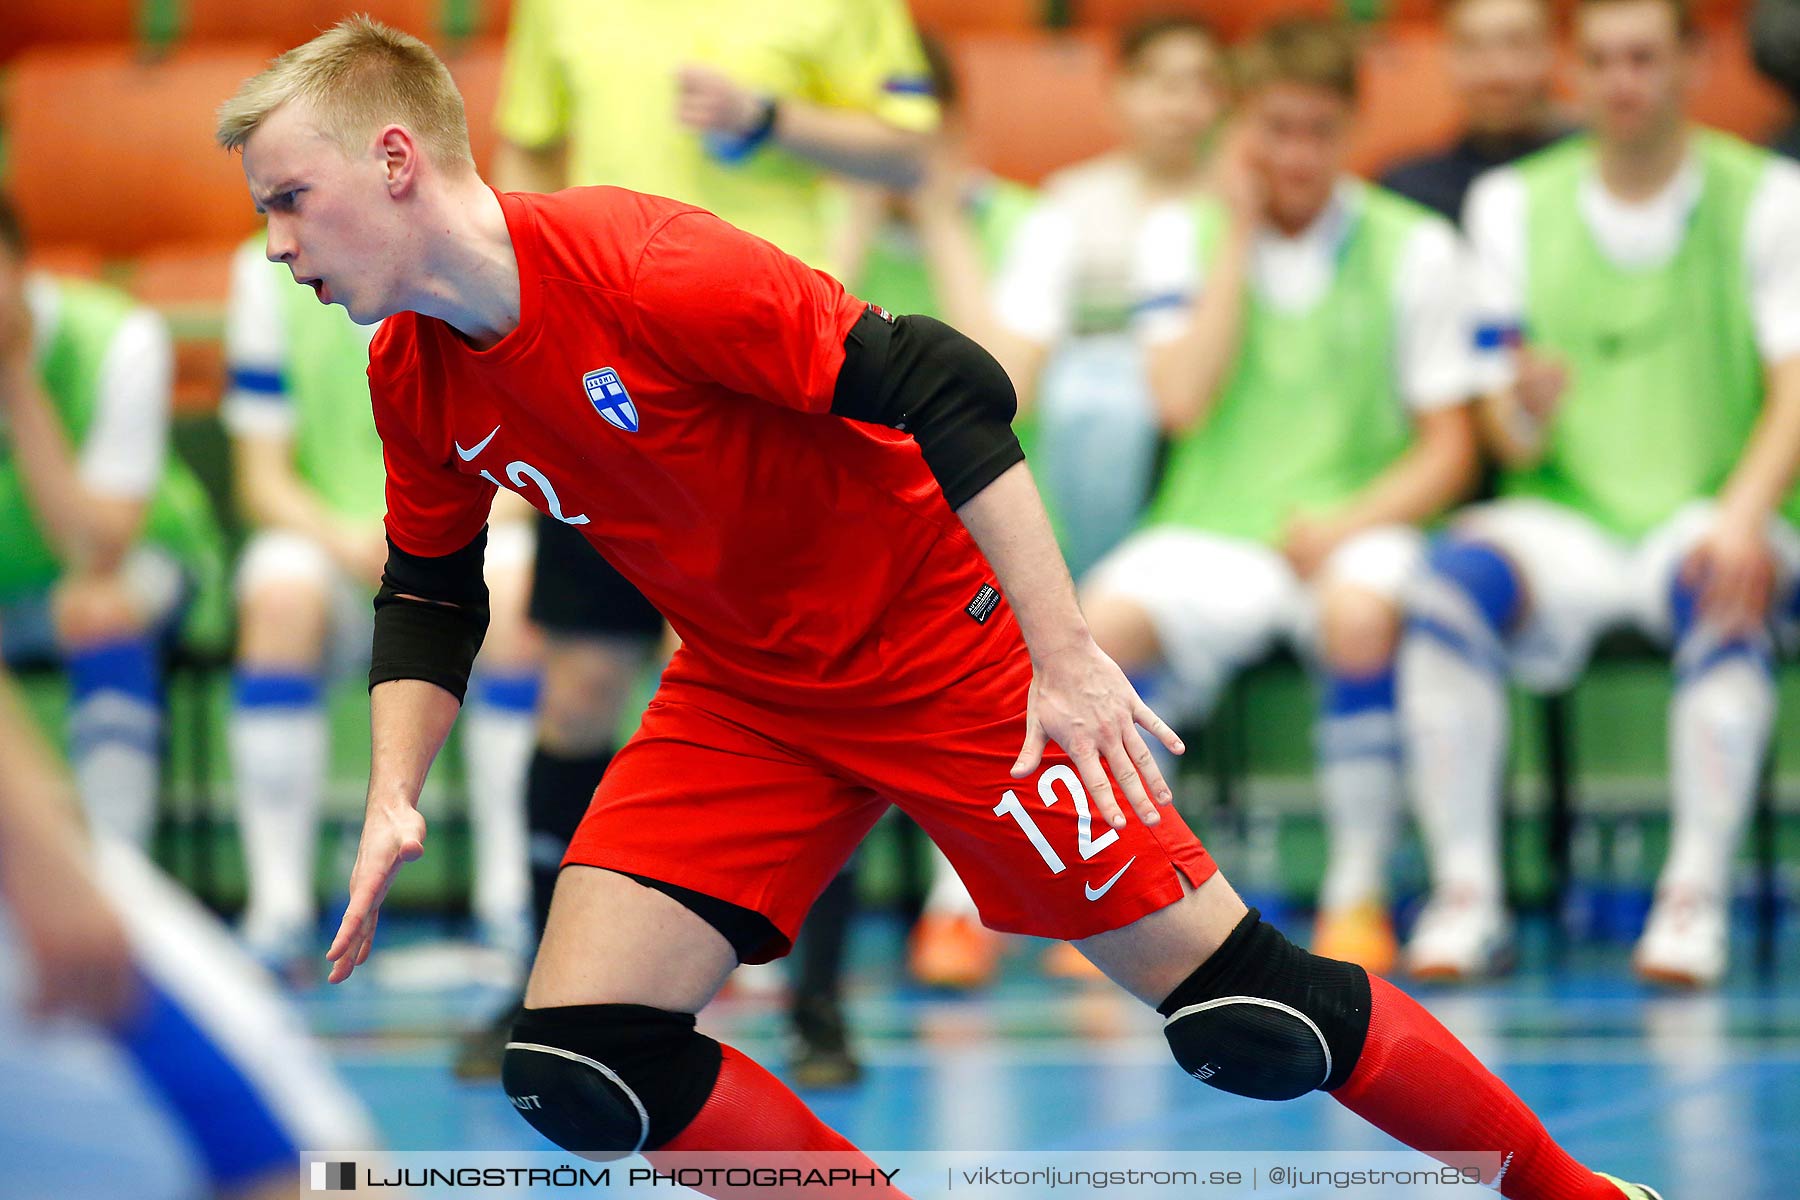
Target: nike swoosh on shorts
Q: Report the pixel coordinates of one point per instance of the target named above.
(1094, 893)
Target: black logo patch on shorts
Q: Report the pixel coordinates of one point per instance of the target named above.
(984, 603)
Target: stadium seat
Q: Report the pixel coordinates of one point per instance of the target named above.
(1733, 96)
(1232, 18)
(1035, 102)
(30, 23)
(295, 21)
(116, 154)
(79, 261)
(948, 17)
(476, 68)
(1407, 104)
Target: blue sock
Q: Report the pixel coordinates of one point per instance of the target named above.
(517, 693)
(1357, 716)
(1358, 746)
(253, 689)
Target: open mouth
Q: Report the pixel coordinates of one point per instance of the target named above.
(318, 287)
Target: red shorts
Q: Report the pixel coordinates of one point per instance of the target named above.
(760, 805)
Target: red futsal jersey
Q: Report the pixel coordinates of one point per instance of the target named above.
(667, 393)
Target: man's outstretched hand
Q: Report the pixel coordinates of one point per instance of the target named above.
(393, 834)
(1081, 700)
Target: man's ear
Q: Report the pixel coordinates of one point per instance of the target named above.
(399, 154)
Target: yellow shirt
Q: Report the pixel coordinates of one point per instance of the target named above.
(602, 76)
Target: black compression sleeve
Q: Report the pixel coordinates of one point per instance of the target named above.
(920, 375)
(430, 617)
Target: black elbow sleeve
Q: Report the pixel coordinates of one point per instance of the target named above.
(920, 375)
(430, 617)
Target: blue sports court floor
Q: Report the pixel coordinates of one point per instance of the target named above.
(1697, 1094)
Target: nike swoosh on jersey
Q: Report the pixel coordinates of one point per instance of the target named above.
(467, 455)
(1094, 893)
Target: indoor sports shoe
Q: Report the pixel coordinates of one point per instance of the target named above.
(1685, 940)
(1063, 961)
(953, 951)
(1460, 937)
(821, 1056)
(1359, 933)
(1633, 1191)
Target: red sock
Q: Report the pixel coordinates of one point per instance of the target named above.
(1418, 1083)
(754, 1114)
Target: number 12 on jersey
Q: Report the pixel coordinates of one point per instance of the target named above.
(1085, 842)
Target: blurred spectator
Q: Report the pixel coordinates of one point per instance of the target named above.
(742, 110)
(1502, 62)
(1640, 314)
(1110, 243)
(1775, 41)
(103, 540)
(310, 482)
(108, 970)
(1318, 392)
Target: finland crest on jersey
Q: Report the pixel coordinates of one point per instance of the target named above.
(610, 399)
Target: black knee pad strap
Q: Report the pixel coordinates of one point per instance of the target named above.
(608, 1080)
(1265, 1019)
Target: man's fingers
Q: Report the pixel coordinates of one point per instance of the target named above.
(1125, 771)
(349, 929)
(368, 941)
(1099, 789)
(1147, 767)
(1159, 729)
(1032, 752)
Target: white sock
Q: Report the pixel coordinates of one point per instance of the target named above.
(279, 757)
(1361, 796)
(948, 896)
(115, 737)
(1455, 725)
(498, 733)
(1719, 725)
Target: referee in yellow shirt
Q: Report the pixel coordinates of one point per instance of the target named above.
(747, 109)
(742, 108)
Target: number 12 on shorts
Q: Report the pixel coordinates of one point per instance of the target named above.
(1085, 842)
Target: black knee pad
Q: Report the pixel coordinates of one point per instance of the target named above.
(1263, 1018)
(608, 1080)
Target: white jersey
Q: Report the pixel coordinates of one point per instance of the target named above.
(1094, 243)
(121, 456)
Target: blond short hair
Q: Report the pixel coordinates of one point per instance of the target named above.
(1310, 51)
(357, 77)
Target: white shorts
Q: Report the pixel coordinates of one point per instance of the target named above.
(1221, 603)
(289, 559)
(1584, 581)
(76, 1115)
